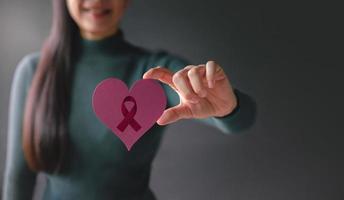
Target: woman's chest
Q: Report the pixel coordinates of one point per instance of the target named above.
(90, 138)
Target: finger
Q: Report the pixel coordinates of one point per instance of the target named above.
(182, 84)
(210, 73)
(195, 78)
(162, 74)
(219, 74)
(174, 114)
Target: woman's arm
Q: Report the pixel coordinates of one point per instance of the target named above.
(19, 180)
(242, 117)
(223, 107)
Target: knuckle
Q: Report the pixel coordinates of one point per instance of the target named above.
(219, 69)
(192, 72)
(177, 77)
(188, 66)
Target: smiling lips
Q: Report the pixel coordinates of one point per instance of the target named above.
(97, 13)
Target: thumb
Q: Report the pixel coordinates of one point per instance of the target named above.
(174, 114)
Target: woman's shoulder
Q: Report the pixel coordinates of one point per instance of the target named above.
(25, 69)
(28, 63)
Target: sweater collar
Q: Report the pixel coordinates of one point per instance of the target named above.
(108, 44)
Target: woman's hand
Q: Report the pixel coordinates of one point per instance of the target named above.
(204, 91)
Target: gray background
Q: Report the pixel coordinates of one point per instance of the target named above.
(286, 55)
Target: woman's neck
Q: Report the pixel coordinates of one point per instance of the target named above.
(98, 35)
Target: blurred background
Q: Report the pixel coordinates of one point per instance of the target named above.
(287, 55)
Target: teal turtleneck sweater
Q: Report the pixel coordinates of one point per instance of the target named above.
(99, 166)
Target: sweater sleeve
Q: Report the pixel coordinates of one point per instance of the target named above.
(19, 180)
(243, 116)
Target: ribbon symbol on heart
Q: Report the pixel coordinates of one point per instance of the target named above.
(129, 115)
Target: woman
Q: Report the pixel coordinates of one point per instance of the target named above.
(52, 126)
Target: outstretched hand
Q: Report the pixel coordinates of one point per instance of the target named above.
(204, 91)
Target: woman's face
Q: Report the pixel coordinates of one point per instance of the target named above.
(97, 19)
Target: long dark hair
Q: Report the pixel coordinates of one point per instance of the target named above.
(45, 137)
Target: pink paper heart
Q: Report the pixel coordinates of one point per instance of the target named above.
(129, 114)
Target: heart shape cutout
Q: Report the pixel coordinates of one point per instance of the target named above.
(129, 114)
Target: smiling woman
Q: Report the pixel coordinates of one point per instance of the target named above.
(51, 114)
(97, 19)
